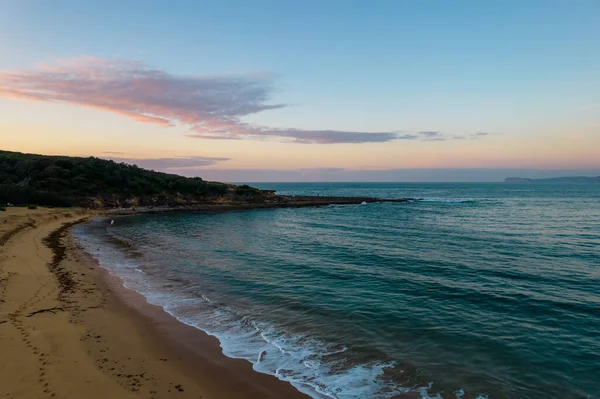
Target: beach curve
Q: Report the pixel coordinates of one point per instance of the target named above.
(71, 330)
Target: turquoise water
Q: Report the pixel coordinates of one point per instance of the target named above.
(479, 290)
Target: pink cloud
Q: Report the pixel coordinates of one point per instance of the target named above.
(212, 107)
(133, 89)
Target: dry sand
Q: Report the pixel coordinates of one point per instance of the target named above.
(69, 330)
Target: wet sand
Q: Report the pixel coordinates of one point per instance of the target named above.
(70, 330)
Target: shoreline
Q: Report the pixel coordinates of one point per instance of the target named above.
(198, 351)
(287, 202)
(175, 329)
(73, 330)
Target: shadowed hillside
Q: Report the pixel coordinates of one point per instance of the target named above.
(98, 183)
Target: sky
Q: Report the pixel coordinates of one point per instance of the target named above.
(307, 90)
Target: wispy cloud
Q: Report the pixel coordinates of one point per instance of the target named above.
(210, 106)
(473, 136)
(430, 134)
(166, 164)
(312, 136)
(434, 136)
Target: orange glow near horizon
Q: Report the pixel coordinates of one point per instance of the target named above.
(502, 151)
(120, 129)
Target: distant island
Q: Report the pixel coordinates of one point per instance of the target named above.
(573, 179)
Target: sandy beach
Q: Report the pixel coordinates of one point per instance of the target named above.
(70, 330)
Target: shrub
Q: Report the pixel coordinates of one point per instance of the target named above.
(2, 209)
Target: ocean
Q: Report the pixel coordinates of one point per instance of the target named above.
(485, 290)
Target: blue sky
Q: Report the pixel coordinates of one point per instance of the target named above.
(525, 71)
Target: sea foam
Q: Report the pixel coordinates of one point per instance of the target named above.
(312, 366)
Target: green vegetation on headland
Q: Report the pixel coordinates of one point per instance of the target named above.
(94, 183)
(572, 179)
(98, 183)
